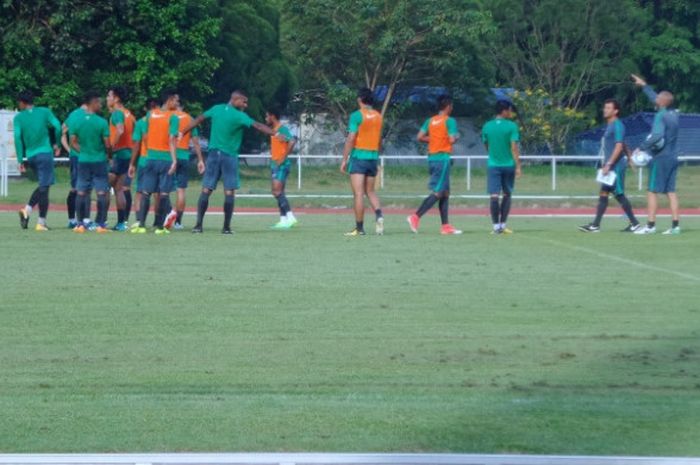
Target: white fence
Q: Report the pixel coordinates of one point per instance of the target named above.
(553, 160)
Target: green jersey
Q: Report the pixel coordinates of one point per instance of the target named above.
(32, 128)
(91, 130)
(73, 117)
(227, 126)
(499, 134)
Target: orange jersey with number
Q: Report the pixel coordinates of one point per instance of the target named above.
(184, 120)
(369, 134)
(438, 135)
(158, 137)
(125, 141)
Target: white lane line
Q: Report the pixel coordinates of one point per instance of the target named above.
(618, 259)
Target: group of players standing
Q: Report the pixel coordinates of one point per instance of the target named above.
(155, 152)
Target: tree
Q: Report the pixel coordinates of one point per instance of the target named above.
(572, 49)
(667, 51)
(339, 45)
(60, 48)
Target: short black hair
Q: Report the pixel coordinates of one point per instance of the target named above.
(240, 92)
(119, 91)
(614, 103)
(91, 95)
(366, 96)
(274, 111)
(444, 101)
(26, 96)
(167, 94)
(503, 105)
(152, 102)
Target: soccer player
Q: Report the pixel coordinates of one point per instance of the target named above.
(161, 162)
(613, 150)
(360, 160)
(281, 145)
(663, 168)
(71, 200)
(90, 139)
(33, 127)
(228, 122)
(501, 136)
(439, 132)
(121, 128)
(182, 174)
(139, 151)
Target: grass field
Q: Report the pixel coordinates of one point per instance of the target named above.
(547, 341)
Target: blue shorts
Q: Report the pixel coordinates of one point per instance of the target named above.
(140, 168)
(73, 166)
(368, 168)
(221, 165)
(42, 165)
(155, 177)
(619, 187)
(280, 172)
(93, 175)
(120, 166)
(182, 174)
(500, 179)
(127, 181)
(439, 175)
(663, 171)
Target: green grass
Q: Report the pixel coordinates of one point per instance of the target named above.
(410, 181)
(547, 341)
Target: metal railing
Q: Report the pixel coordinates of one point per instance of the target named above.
(552, 160)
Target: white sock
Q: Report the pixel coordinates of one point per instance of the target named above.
(290, 216)
(496, 226)
(28, 209)
(283, 219)
(503, 226)
(42, 221)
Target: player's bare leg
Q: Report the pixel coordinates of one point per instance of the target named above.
(375, 203)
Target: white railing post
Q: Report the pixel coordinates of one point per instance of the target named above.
(3, 173)
(469, 173)
(298, 172)
(554, 173)
(381, 172)
(641, 178)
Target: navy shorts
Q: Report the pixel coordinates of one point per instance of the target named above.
(619, 187)
(663, 171)
(73, 166)
(439, 175)
(93, 175)
(127, 181)
(120, 166)
(42, 165)
(500, 179)
(155, 177)
(367, 167)
(182, 174)
(280, 172)
(221, 165)
(140, 168)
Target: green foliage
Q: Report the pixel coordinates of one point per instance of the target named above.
(62, 48)
(340, 45)
(544, 123)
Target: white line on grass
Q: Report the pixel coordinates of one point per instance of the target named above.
(616, 258)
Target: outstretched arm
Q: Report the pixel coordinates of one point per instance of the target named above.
(193, 124)
(264, 129)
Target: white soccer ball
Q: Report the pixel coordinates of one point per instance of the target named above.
(640, 158)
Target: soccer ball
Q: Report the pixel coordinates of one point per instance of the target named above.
(640, 158)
